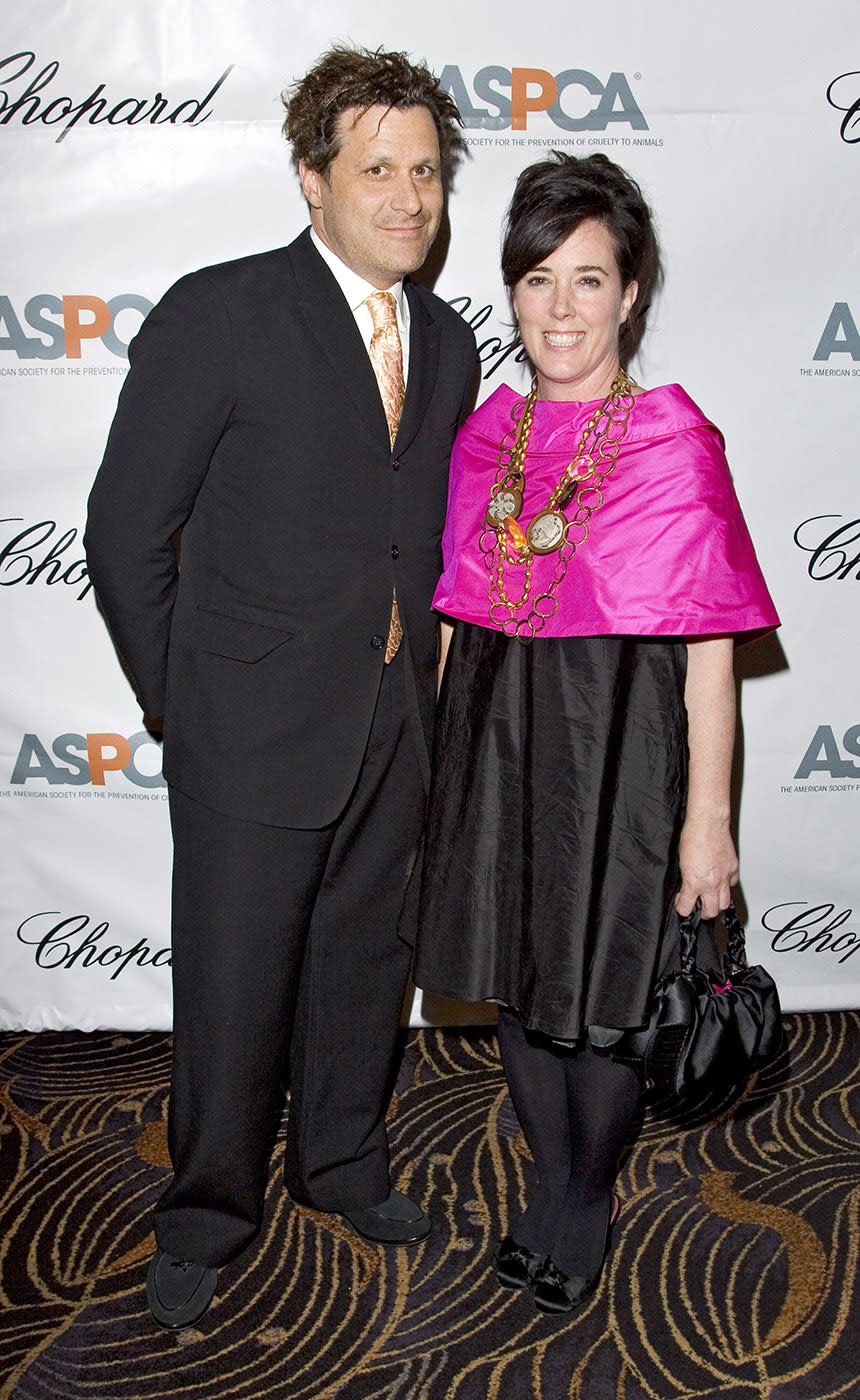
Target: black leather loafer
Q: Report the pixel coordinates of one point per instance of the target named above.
(516, 1265)
(396, 1220)
(178, 1291)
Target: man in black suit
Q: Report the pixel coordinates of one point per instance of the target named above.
(293, 658)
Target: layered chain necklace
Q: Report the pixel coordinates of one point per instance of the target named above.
(506, 545)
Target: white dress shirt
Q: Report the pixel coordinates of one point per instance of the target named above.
(356, 291)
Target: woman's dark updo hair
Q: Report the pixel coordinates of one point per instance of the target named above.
(552, 198)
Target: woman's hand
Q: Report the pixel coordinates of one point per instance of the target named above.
(709, 866)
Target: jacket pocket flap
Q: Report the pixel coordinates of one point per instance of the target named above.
(234, 637)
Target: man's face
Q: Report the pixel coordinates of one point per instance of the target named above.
(379, 206)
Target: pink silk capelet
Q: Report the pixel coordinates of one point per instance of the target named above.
(668, 553)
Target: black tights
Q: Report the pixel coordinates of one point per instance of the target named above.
(576, 1108)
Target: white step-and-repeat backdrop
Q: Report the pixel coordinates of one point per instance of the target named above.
(141, 140)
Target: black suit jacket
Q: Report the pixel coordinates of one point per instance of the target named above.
(252, 422)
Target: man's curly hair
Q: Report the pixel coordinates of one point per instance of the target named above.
(346, 78)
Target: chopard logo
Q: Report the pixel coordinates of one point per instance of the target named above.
(834, 550)
(844, 94)
(60, 944)
(34, 104)
(812, 930)
(497, 348)
(42, 553)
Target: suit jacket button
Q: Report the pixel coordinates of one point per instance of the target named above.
(395, 465)
(377, 642)
(395, 552)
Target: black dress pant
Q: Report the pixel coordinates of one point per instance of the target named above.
(287, 967)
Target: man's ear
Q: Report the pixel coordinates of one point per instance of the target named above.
(310, 184)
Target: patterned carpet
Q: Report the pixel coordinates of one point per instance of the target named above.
(734, 1274)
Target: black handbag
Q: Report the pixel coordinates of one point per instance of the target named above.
(708, 1030)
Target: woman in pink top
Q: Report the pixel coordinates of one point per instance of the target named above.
(599, 571)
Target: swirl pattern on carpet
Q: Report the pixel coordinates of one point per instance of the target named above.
(734, 1271)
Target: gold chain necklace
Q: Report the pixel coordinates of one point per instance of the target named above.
(503, 540)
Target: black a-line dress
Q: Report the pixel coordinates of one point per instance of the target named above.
(551, 851)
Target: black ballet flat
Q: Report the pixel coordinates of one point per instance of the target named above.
(516, 1265)
(557, 1292)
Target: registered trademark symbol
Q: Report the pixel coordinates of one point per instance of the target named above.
(637, 76)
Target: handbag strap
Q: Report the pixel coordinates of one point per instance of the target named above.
(689, 928)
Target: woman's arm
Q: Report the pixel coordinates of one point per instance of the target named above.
(709, 864)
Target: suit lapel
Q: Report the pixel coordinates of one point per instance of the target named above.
(423, 367)
(329, 322)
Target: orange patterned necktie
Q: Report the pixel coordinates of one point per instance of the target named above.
(386, 356)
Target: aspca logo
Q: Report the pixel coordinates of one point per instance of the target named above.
(840, 336)
(574, 99)
(844, 94)
(824, 754)
(64, 323)
(80, 759)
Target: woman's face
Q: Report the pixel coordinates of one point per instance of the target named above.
(569, 310)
